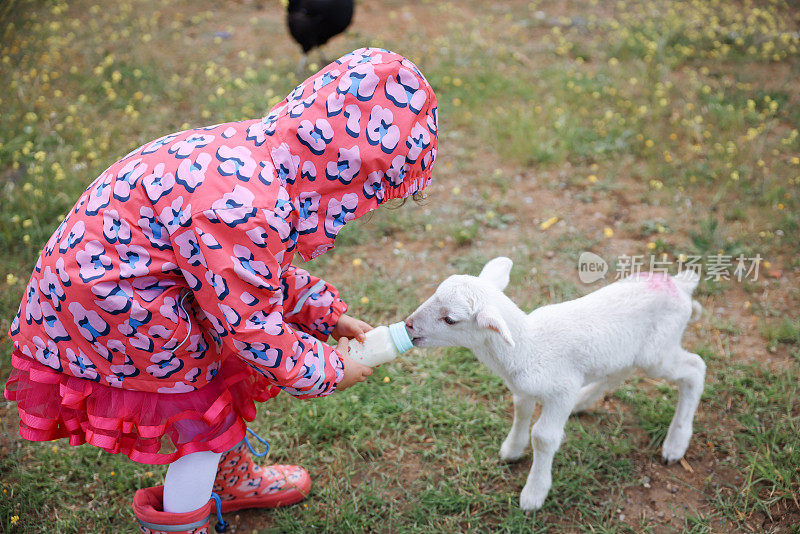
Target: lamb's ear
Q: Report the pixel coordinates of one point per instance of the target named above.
(496, 272)
(489, 317)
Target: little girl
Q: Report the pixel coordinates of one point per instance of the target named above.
(166, 302)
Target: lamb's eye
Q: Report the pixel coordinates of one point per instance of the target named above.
(448, 320)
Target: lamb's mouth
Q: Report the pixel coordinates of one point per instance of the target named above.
(416, 340)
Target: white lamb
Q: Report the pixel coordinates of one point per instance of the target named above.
(565, 356)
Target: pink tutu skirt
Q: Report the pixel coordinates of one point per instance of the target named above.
(150, 428)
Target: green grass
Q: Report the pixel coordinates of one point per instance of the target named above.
(678, 137)
(420, 452)
(767, 442)
(785, 331)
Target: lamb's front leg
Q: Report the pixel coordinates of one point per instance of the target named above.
(518, 438)
(547, 434)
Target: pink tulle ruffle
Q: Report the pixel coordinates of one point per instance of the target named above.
(150, 428)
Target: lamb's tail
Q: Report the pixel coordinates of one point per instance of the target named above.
(687, 282)
(697, 311)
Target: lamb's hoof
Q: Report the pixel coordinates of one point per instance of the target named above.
(669, 457)
(531, 503)
(510, 454)
(511, 458)
(670, 460)
(674, 447)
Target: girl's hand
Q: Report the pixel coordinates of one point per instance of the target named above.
(353, 371)
(350, 327)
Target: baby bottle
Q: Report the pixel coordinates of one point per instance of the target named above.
(382, 344)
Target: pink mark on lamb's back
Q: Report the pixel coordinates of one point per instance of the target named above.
(662, 282)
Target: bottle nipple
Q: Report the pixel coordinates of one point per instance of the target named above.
(400, 337)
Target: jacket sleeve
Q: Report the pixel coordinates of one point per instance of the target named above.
(228, 258)
(310, 303)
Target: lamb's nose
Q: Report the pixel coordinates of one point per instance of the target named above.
(410, 323)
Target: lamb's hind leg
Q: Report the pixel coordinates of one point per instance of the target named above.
(594, 391)
(518, 438)
(689, 371)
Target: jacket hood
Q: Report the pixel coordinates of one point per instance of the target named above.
(361, 131)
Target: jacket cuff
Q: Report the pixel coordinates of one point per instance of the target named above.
(339, 372)
(337, 310)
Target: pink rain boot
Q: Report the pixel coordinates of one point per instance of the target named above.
(241, 483)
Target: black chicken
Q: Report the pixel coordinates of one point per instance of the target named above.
(313, 22)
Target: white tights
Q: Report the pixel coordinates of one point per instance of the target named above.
(189, 481)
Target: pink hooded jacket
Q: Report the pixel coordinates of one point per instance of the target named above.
(180, 254)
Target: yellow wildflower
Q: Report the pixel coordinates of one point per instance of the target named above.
(548, 223)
